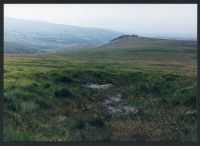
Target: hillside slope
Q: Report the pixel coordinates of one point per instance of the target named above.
(51, 37)
(133, 49)
(128, 41)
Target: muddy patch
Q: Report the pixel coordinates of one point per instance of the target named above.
(115, 104)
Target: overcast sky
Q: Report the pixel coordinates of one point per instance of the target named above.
(161, 20)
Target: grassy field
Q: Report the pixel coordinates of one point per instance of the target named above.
(45, 100)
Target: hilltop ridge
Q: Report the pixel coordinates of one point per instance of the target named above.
(129, 41)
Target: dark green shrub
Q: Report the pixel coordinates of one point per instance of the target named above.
(156, 89)
(143, 88)
(22, 95)
(42, 104)
(53, 74)
(141, 137)
(67, 114)
(41, 75)
(170, 77)
(31, 87)
(13, 106)
(80, 124)
(64, 79)
(47, 85)
(98, 75)
(35, 84)
(97, 123)
(64, 92)
(185, 96)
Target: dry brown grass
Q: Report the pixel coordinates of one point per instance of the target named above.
(136, 130)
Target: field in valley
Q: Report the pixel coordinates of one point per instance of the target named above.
(151, 94)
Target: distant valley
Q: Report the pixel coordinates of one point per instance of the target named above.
(25, 37)
(33, 37)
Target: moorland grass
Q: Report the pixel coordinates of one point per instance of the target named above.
(44, 99)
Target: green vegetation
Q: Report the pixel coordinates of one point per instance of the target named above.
(44, 99)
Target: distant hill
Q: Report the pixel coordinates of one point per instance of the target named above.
(132, 48)
(130, 41)
(24, 36)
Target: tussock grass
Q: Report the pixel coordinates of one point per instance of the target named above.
(44, 99)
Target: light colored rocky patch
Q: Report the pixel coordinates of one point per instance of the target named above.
(60, 118)
(107, 101)
(115, 104)
(116, 98)
(113, 109)
(129, 109)
(97, 86)
(106, 86)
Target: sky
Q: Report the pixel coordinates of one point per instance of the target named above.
(156, 20)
